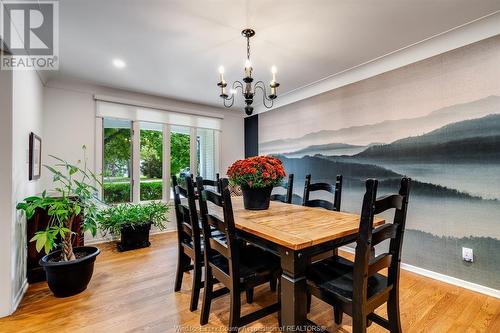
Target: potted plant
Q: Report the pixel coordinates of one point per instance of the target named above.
(256, 176)
(68, 269)
(133, 222)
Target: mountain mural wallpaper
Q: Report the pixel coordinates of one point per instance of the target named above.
(437, 121)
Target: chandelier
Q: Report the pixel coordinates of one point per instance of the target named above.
(247, 88)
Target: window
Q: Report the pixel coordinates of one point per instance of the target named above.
(143, 147)
(151, 166)
(117, 162)
(180, 147)
(205, 151)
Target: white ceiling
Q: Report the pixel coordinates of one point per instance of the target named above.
(173, 48)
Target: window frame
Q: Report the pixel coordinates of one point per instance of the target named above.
(135, 178)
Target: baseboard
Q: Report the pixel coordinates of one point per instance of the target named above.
(19, 295)
(442, 277)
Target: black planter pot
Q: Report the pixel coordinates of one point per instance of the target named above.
(256, 198)
(134, 238)
(68, 278)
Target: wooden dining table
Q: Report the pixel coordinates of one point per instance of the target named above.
(295, 233)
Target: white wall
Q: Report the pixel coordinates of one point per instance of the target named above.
(5, 193)
(69, 121)
(21, 96)
(27, 117)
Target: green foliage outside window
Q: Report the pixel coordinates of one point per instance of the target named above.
(179, 152)
(117, 162)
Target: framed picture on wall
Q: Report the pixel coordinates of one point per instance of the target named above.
(35, 157)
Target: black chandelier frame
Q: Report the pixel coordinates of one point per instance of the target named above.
(248, 89)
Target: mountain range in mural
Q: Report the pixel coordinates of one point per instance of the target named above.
(360, 137)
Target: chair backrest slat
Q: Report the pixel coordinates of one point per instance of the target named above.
(380, 262)
(322, 187)
(218, 246)
(187, 229)
(388, 202)
(383, 232)
(213, 183)
(334, 189)
(321, 204)
(288, 186)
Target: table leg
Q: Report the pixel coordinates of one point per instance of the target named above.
(293, 291)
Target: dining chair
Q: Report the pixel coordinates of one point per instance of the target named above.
(288, 186)
(230, 261)
(208, 182)
(334, 189)
(189, 239)
(357, 288)
(190, 245)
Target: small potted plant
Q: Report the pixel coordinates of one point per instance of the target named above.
(256, 176)
(133, 222)
(68, 269)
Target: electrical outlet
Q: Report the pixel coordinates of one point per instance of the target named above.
(467, 254)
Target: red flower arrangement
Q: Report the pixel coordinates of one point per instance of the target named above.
(256, 172)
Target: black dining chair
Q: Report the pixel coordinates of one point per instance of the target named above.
(215, 184)
(189, 239)
(190, 245)
(334, 189)
(357, 288)
(288, 186)
(230, 261)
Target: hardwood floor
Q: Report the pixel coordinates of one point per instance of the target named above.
(133, 292)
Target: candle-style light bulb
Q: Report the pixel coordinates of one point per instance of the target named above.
(221, 73)
(248, 67)
(274, 70)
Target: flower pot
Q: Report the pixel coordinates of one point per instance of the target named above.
(68, 278)
(134, 238)
(256, 198)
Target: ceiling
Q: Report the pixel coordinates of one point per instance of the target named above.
(173, 48)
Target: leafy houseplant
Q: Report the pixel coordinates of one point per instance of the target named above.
(257, 176)
(133, 222)
(74, 195)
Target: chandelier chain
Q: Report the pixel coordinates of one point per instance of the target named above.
(248, 48)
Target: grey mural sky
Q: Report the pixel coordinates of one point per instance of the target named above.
(400, 94)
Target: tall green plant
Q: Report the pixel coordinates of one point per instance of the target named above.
(75, 194)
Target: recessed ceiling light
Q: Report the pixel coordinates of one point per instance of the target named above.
(118, 63)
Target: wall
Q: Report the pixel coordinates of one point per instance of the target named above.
(21, 114)
(6, 193)
(437, 121)
(70, 114)
(27, 117)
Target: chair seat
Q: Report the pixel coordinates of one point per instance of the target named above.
(333, 278)
(255, 264)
